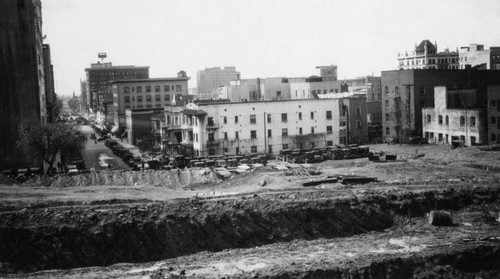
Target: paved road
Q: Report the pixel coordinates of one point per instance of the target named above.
(97, 156)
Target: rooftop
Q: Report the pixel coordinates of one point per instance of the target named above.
(146, 80)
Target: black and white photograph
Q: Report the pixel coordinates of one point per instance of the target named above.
(156, 139)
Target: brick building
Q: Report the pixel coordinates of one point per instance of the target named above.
(406, 92)
(22, 79)
(475, 55)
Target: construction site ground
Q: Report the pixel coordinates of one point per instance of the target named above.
(261, 224)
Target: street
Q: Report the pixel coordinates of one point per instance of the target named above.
(97, 156)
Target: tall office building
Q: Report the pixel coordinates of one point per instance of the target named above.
(99, 88)
(22, 81)
(212, 78)
(50, 93)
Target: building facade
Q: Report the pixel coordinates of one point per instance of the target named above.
(271, 126)
(426, 56)
(455, 116)
(210, 79)
(146, 94)
(99, 77)
(22, 77)
(475, 55)
(493, 114)
(50, 93)
(406, 92)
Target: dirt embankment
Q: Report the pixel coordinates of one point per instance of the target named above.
(83, 235)
(164, 178)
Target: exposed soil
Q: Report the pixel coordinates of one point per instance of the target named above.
(174, 228)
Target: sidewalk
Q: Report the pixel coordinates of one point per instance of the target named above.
(134, 149)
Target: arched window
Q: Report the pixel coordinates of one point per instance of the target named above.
(473, 121)
(440, 120)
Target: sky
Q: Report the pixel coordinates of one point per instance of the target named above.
(261, 38)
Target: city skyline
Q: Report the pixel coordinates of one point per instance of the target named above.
(259, 38)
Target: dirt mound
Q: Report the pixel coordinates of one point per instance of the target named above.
(162, 178)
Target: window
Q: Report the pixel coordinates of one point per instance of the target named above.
(312, 130)
(328, 115)
(253, 119)
(253, 149)
(422, 91)
(139, 89)
(493, 138)
(428, 118)
(157, 88)
(300, 115)
(386, 90)
(139, 99)
(473, 121)
(343, 124)
(196, 137)
(148, 88)
(127, 99)
(148, 98)
(387, 131)
(268, 118)
(285, 146)
(358, 111)
(126, 89)
(253, 134)
(278, 94)
(178, 87)
(225, 135)
(396, 90)
(462, 121)
(493, 121)
(440, 120)
(312, 115)
(225, 120)
(386, 104)
(167, 97)
(447, 120)
(329, 143)
(300, 131)
(211, 137)
(269, 133)
(284, 132)
(284, 117)
(210, 121)
(166, 88)
(493, 103)
(157, 98)
(386, 117)
(270, 149)
(237, 135)
(329, 130)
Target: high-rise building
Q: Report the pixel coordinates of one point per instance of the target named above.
(99, 77)
(426, 56)
(50, 93)
(475, 55)
(212, 78)
(22, 80)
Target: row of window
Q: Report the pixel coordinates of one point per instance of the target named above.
(157, 88)
(141, 106)
(253, 148)
(284, 118)
(447, 120)
(430, 61)
(149, 98)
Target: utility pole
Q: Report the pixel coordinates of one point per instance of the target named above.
(265, 134)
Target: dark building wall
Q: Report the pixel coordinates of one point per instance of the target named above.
(50, 94)
(20, 84)
(416, 90)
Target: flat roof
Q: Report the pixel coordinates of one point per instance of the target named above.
(109, 68)
(278, 101)
(146, 80)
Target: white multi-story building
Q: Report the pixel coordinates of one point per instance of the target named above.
(426, 56)
(454, 117)
(475, 55)
(210, 79)
(146, 94)
(494, 114)
(270, 126)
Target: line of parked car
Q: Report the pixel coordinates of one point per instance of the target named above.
(320, 154)
(22, 174)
